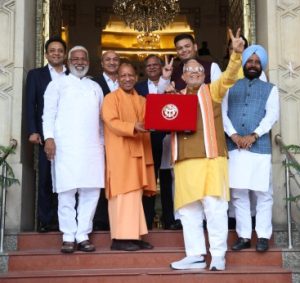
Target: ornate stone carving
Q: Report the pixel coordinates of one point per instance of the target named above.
(236, 14)
(242, 14)
(40, 25)
(288, 18)
(55, 17)
(6, 32)
(7, 15)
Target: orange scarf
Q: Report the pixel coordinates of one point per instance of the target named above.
(209, 129)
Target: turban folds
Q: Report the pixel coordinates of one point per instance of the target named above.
(259, 51)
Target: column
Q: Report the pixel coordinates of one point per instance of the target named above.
(278, 23)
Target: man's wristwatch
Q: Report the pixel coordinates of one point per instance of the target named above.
(255, 135)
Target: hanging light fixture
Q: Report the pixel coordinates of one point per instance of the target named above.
(146, 15)
(148, 40)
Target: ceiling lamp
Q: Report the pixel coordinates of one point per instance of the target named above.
(146, 15)
(148, 40)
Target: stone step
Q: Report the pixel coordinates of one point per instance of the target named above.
(42, 260)
(158, 238)
(233, 273)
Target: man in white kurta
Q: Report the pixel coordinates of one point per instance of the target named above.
(75, 145)
(250, 109)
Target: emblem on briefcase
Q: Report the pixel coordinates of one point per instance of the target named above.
(170, 112)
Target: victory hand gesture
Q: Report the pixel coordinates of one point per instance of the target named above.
(167, 68)
(237, 42)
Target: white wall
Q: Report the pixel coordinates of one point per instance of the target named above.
(17, 21)
(278, 26)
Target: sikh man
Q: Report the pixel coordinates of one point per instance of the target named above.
(250, 109)
(129, 162)
(108, 81)
(201, 178)
(74, 143)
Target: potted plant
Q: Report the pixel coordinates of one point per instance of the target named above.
(292, 163)
(7, 176)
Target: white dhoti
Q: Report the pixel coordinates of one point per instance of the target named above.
(250, 173)
(192, 215)
(87, 202)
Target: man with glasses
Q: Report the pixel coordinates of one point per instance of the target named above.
(75, 145)
(201, 178)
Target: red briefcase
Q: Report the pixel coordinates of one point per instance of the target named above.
(171, 112)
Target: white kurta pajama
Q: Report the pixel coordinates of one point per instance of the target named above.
(252, 171)
(72, 118)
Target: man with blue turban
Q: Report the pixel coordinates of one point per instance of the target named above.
(250, 109)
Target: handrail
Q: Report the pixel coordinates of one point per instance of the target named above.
(283, 148)
(288, 175)
(13, 145)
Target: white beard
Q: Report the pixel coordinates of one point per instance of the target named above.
(78, 72)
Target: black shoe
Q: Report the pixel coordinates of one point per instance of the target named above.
(124, 245)
(44, 228)
(86, 246)
(241, 243)
(262, 245)
(174, 226)
(143, 245)
(68, 247)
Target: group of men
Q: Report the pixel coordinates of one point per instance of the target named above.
(71, 117)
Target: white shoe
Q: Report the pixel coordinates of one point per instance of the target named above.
(217, 263)
(189, 262)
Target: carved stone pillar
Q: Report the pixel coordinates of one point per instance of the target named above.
(278, 23)
(55, 17)
(17, 56)
(235, 14)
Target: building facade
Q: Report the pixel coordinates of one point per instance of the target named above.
(274, 24)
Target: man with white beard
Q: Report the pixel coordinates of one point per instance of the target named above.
(74, 143)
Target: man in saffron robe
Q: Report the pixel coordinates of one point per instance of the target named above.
(130, 168)
(201, 177)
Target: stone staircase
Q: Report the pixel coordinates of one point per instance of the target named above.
(290, 257)
(38, 259)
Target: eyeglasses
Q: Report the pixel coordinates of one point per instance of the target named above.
(198, 69)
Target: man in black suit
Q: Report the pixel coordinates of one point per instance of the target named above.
(108, 80)
(153, 69)
(36, 84)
